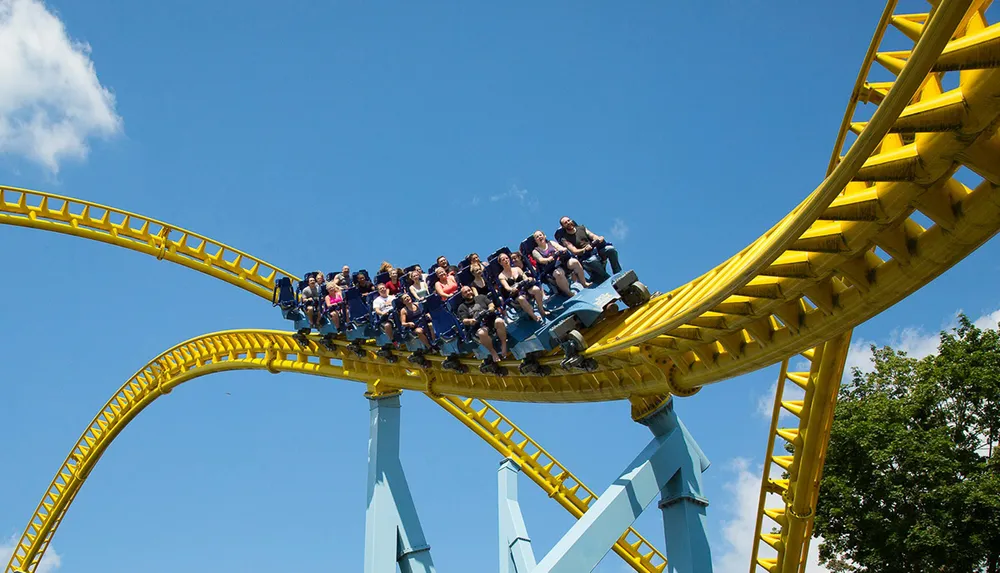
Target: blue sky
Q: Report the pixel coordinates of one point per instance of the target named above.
(314, 136)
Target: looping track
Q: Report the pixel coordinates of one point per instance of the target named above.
(277, 352)
(890, 216)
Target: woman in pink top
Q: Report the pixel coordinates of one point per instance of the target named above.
(334, 300)
(446, 284)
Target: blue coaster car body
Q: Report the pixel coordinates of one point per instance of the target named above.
(581, 310)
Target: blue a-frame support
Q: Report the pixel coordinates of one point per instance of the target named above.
(516, 555)
(670, 466)
(392, 529)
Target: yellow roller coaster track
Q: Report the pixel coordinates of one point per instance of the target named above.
(279, 352)
(854, 247)
(850, 250)
(48, 212)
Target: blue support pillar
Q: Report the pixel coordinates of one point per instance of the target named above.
(683, 508)
(392, 529)
(667, 464)
(516, 555)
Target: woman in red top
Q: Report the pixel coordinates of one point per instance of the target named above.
(393, 283)
(446, 284)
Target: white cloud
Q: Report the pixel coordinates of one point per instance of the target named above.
(51, 101)
(738, 528)
(517, 194)
(916, 342)
(745, 486)
(51, 561)
(988, 321)
(619, 230)
(765, 402)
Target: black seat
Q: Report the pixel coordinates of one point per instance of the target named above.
(283, 294)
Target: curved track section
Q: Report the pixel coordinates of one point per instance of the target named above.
(277, 352)
(48, 212)
(889, 218)
(850, 250)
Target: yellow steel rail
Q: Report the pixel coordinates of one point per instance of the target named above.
(799, 491)
(26, 208)
(789, 546)
(825, 281)
(860, 83)
(278, 352)
(557, 481)
(831, 277)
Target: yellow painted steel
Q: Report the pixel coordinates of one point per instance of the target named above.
(549, 474)
(799, 490)
(34, 209)
(817, 272)
(789, 545)
(852, 248)
(278, 352)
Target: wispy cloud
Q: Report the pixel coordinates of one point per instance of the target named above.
(915, 341)
(619, 230)
(515, 194)
(51, 101)
(739, 506)
(50, 563)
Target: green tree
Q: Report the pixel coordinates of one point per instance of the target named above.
(912, 482)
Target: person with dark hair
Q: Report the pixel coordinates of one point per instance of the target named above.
(310, 297)
(551, 258)
(479, 317)
(591, 248)
(413, 319)
(516, 285)
(442, 263)
(363, 283)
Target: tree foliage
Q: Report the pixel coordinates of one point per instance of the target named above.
(911, 481)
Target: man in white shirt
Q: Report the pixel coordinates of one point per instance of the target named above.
(382, 305)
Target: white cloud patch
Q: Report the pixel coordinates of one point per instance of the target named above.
(988, 321)
(738, 528)
(516, 194)
(51, 101)
(51, 561)
(916, 342)
(740, 521)
(619, 230)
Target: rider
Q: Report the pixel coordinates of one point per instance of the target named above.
(383, 305)
(310, 297)
(590, 248)
(479, 315)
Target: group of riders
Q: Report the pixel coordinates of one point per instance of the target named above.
(477, 290)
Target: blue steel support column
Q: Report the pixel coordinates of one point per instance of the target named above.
(671, 455)
(392, 529)
(516, 555)
(682, 504)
